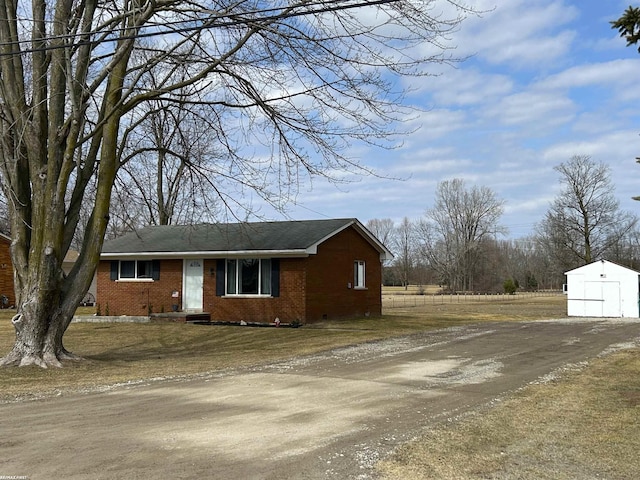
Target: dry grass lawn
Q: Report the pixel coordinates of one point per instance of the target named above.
(584, 425)
(128, 352)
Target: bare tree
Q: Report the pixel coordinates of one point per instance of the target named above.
(288, 86)
(166, 164)
(521, 260)
(453, 231)
(382, 229)
(627, 251)
(404, 247)
(584, 221)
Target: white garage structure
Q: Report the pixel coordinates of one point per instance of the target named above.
(602, 289)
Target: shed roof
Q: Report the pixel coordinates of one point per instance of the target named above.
(598, 265)
(288, 238)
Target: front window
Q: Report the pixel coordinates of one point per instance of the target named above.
(358, 274)
(249, 276)
(130, 269)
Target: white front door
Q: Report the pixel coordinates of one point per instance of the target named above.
(193, 283)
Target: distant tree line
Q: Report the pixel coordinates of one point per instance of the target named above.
(460, 244)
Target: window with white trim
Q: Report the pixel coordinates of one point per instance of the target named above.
(359, 274)
(248, 276)
(130, 269)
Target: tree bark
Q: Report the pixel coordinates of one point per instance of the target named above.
(37, 342)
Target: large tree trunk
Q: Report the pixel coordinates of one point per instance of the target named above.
(42, 230)
(40, 326)
(46, 305)
(47, 299)
(37, 342)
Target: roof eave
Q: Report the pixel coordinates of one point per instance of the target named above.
(204, 254)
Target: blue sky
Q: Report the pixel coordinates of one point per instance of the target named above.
(546, 80)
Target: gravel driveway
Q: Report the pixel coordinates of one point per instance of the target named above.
(331, 415)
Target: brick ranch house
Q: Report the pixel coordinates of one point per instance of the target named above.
(296, 271)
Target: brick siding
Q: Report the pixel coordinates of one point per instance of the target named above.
(6, 272)
(330, 277)
(288, 307)
(139, 297)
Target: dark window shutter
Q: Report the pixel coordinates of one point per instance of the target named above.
(155, 269)
(275, 277)
(220, 277)
(114, 269)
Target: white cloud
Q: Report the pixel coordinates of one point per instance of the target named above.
(521, 53)
(594, 123)
(465, 87)
(540, 201)
(538, 109)
(421, 164)
(612, 43)
(612, 148)
(520, 33)
(433, 124)
(614, 72)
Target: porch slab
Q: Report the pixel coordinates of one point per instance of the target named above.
(181, 317)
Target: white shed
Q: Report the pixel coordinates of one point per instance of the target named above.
(603, 289)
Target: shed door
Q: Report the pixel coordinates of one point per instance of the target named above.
(193, 283)
(602, 299)
(611, 307)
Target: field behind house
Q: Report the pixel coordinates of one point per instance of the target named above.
(480, 307)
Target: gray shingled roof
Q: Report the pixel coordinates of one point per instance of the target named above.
(231, 237)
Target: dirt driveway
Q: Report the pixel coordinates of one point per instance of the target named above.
(326, 416)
